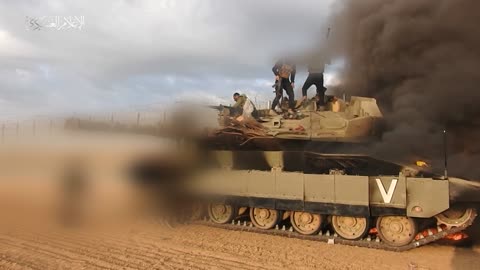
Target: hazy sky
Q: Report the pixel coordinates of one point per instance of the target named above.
(134, 53)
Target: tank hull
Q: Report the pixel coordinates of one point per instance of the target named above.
(398, 210)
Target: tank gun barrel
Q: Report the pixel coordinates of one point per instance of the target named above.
(219, 107)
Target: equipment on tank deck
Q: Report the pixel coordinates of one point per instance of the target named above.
(358, 121)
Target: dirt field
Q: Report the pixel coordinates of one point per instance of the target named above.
(31, 238)
(111, 232)
(148, 246)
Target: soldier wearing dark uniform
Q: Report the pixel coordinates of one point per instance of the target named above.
(284, 71)
(316, 67)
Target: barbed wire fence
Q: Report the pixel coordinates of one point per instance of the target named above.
(35, 126)
(153, 114)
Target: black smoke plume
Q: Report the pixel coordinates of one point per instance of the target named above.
(421, 60)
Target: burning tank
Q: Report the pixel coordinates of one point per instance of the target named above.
(268, 175)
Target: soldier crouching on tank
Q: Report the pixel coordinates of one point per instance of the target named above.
(243, 108)
(284, 71)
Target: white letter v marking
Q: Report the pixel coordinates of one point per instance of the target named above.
(387, 197)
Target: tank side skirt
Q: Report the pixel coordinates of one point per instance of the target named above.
(387, 211)
(313, 207)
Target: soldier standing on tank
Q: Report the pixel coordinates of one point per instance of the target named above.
(284, 71)
(316, 68)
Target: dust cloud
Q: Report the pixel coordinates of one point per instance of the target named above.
(421, 61)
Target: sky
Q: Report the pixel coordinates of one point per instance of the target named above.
(132, 54)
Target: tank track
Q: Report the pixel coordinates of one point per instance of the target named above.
(434, 234)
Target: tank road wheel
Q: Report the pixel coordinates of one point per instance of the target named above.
(396, 231)
(265, 218)
(350, 228)
(455, 217)
(221, 213)
(306, 223)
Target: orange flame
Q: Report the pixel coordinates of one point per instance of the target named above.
(421, 163)
(457, 236)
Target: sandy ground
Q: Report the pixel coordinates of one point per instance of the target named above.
(113, 233)
(149, 246)
(31, 237)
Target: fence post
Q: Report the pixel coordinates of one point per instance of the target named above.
(111, 119)
(17, 129)
(3, 132)
(34, 127)
(138, 118)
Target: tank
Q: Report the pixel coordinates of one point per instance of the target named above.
(262, 175)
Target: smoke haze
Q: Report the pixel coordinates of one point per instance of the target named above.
(421, 61)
